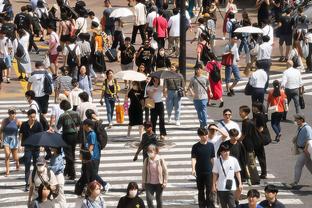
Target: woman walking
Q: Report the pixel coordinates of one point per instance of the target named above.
(93, 196)
(8, 134)
(84, 81)
(277, 98)
(214, 73)
(155, 176)
(132, 199)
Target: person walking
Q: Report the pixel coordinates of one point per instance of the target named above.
(85, 82)
(258, 80)
(225, 169)
(203, 154)
(84, 105)
(162, 61)
(9, 137)
(227, 123)
(278, 98)
(174, 32)
(93, 196)
(198, 87)
(216, 136)
(213, 68)
(118, 36)
(286, 31)
(132, 199)
(140, 21)
(301, 140)
(73, 96)
(160, 26)
(154, 176)
(270, 193)
(69, 121)
(173, 88)
(264, 57)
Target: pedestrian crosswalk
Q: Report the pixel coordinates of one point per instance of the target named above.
(118, 169)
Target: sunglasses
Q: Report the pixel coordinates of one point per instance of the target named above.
(227, 114)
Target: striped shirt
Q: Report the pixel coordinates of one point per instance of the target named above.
(69, 121)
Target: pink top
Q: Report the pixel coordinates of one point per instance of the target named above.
(162, 25)
(53, 43)
(152, 165)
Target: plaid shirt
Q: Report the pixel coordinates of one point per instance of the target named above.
(69, 121)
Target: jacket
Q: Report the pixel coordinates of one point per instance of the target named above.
(162, 171)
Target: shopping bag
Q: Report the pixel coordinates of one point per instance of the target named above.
(120, 113)
(227, 59)
(46, 61)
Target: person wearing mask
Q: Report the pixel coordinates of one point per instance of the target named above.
(28, 128)
(85, 82)
(293, 85)
(286, 32)
(69, 121)
(232, 48)
(162, 60)
(148, 138)
(253, 196)
(160, 26)
(8, 135)
(198, 87)
(264, 57)
(258, 80)
(135, 111)
(270, 193)
(278, 98)
(225, 169)
(109, 93)
(202, 162)
(93, 196)
(155, 92)
(173, 96)
(301, 140)
(154, 176)
(140, 21)
(132, 199)
(227, 123)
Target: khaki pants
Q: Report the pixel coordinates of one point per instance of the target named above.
(174, 42)
(252, 168)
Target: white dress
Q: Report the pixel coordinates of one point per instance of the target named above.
(24, 63)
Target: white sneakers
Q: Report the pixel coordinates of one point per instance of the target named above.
(177, 123)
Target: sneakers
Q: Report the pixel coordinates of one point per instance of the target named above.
(177, 123)
(221, 104)
(107, 187)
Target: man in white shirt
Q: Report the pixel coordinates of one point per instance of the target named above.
(140, 21)
(226, 171)
(258, 81)
(268, 31)
(85, 105)
(36, 83)
(292, 83)
(82, 24)
(174, 32)
(227, 123)
(264, 57)
(93, 18)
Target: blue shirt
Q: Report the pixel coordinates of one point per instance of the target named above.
(57, 164)
(246, 206)
(85, 84)
(91, 139)
(304, 135)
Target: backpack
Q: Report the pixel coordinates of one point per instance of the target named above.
(101, 134)
(20, 51)
(204, 56)
(215, 73)
(21, 20)
(72, 58)
(234, 26)
(9, 30)
(47, 84)
(36, 23)
(44, 20)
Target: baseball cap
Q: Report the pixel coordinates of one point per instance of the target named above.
(41, 161)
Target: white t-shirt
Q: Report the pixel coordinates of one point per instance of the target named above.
(231, 166)
(71, 46)
(156, 92)
(269, 31)
(81, 23)
(5, 44)
(258, 78)
(56, 111)
(140, 14)
(230, 125)
(74, 98)
(37, 81)
(24, 41)
(174, 24)
(83, 107)
(150, 18)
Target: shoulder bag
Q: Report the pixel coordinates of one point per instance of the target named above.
(274, 108)
(227, 59)
(228, 182)
(201, 84)
(248, 89)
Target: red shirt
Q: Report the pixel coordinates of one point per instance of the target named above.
(162, 25)
(279, 101)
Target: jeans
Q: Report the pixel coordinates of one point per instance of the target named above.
(110, 105)
(293, 94)
(201, 109)
(173, 100)
(159, 111)
(244, 45)
(69, 151)
(135, 31)
(226, 199)
(257, 95)
(30, 153)
(229, 70)
(302, 160)
(204, 182)
(150, 190)
(276, 121)
(260, 154)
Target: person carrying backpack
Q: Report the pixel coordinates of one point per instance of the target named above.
(72, 56)
(231, 25)
(203, 49)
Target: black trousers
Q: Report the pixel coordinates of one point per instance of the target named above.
(161, 42)
(309, 58)
(141, 28)
(257, 95)
(99, 63)
(118, 38)
(32, 42)
(205, 196)
(69, 151)
(260, 154)
(159, 111)
(43, 103)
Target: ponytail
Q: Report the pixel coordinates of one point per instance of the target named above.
(276, 88)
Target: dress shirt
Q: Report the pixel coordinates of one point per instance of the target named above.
(291, 79)
(258, 78)
(140, 14)
(265, 51)
(269, 31)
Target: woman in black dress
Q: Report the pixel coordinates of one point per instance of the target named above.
(135, 111)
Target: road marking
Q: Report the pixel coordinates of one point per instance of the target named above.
(23, 83)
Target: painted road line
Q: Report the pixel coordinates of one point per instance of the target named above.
(22, 83)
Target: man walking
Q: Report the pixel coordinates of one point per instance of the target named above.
(203, 154)
(160, 25)
(140, 21)
(270, 192)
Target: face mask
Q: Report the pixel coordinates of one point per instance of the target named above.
(133, 193)
(40, 168)
(151, 154)
(161, 53)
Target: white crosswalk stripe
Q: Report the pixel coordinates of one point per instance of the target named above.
(118, 168)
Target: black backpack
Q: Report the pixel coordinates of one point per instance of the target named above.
(47, 84)
(20, 51)
(9, 30)
(36, 23)
(101, 134)
(72, 57)
(235, 25)
(204, 56)
(215, 73)
(21, 21)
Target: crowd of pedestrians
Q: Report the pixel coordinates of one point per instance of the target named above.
(224, 157)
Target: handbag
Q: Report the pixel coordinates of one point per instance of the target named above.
(274, 108)
(248, 89)
(227, 59)
(228, 182)
(120, 113)
(149, 103)
(46, 61)
(180, 90)
(301, 102)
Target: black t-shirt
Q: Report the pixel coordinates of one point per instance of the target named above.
(286, 28)
(203, 154)
(127, 54)
(23, 20)
(26, 131)
(276, 204)
(126, 202)
(248, 129)
(146, 141)
(135, 97)
(146, 56)
(238, 151)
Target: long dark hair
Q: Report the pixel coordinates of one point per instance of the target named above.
(40, 189)
(276, 88)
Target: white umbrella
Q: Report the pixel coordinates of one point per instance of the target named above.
(248, 29)
(121, 12)
(130, 75)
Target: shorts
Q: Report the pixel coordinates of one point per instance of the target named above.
(229, 70)
(43, 103)
(10, 141)
(53, 58)
(8, 61)
(125, 67)
(285, 38)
